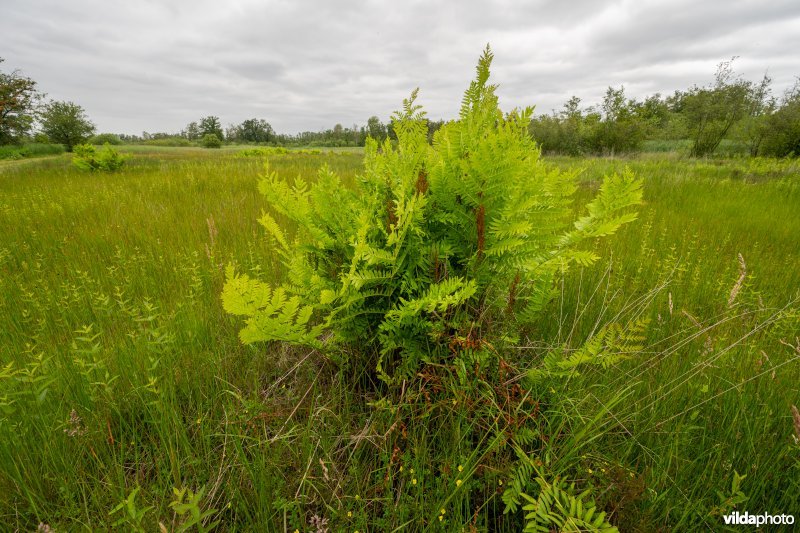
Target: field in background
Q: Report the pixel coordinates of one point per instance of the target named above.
(119, 369)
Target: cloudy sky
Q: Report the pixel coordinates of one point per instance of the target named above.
(306, 65)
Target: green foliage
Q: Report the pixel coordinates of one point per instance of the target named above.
(612, 344)
(19, 100)
(66, 123)
(210, 140)
(435, 242)
(168, 141)
(131, 516)
(30, 150)
(87, 157)
(376, 129)
(782, 136)
(252, 131)
(557, 507)
(711, 111)
(563, 133)
(621, 129)
(187, 504)
(210, 125)
(105, 138)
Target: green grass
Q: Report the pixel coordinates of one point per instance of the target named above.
(110, 308)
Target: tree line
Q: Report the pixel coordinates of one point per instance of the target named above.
(730, 108)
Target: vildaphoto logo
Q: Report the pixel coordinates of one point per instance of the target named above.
(746, 519)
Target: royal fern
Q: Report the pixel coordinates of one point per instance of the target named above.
(433, 242)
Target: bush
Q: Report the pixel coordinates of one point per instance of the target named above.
(87, 157)
(105, 138)
(783, 134)
(30, 150)
(210, 140)
(175, 142)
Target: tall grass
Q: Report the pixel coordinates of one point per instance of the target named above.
(119, 370)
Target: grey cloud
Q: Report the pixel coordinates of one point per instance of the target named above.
(307, 65)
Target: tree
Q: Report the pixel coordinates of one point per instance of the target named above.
(755, 125)
(376, 129)
(211, 124)
(18, 103)
(619, 128)
(783, 127)
(192, 131)
(255, 130)
(66, 123)
(711, 111)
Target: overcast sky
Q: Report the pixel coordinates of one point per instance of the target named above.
(155, 66)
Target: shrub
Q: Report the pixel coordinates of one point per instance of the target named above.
(177, 142)
(210, 140)
(30, 150)
(783, 134)
(87, 157)
(105, 138)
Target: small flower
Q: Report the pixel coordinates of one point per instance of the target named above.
(349, 514)
(442, 510)
(414, 481)
(460, 468)
(441, 518)
(401, 468)
(500, 482)
(358, 497)
(411, 471)
(458, 482)
(75, 427)
(591, 471)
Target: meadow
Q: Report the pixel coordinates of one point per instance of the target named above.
(127, 399)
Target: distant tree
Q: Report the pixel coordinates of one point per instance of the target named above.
(783, 127)
(711, 111)
(66, 123)
(376, 129)
(618, 129)
(256, 131)
(211, 124)
(563, 133)
(755, 124)
(19, 100)
(192, 131)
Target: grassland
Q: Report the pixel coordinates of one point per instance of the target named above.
(120, 374)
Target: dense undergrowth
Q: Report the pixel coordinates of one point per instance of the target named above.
(123, 378)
